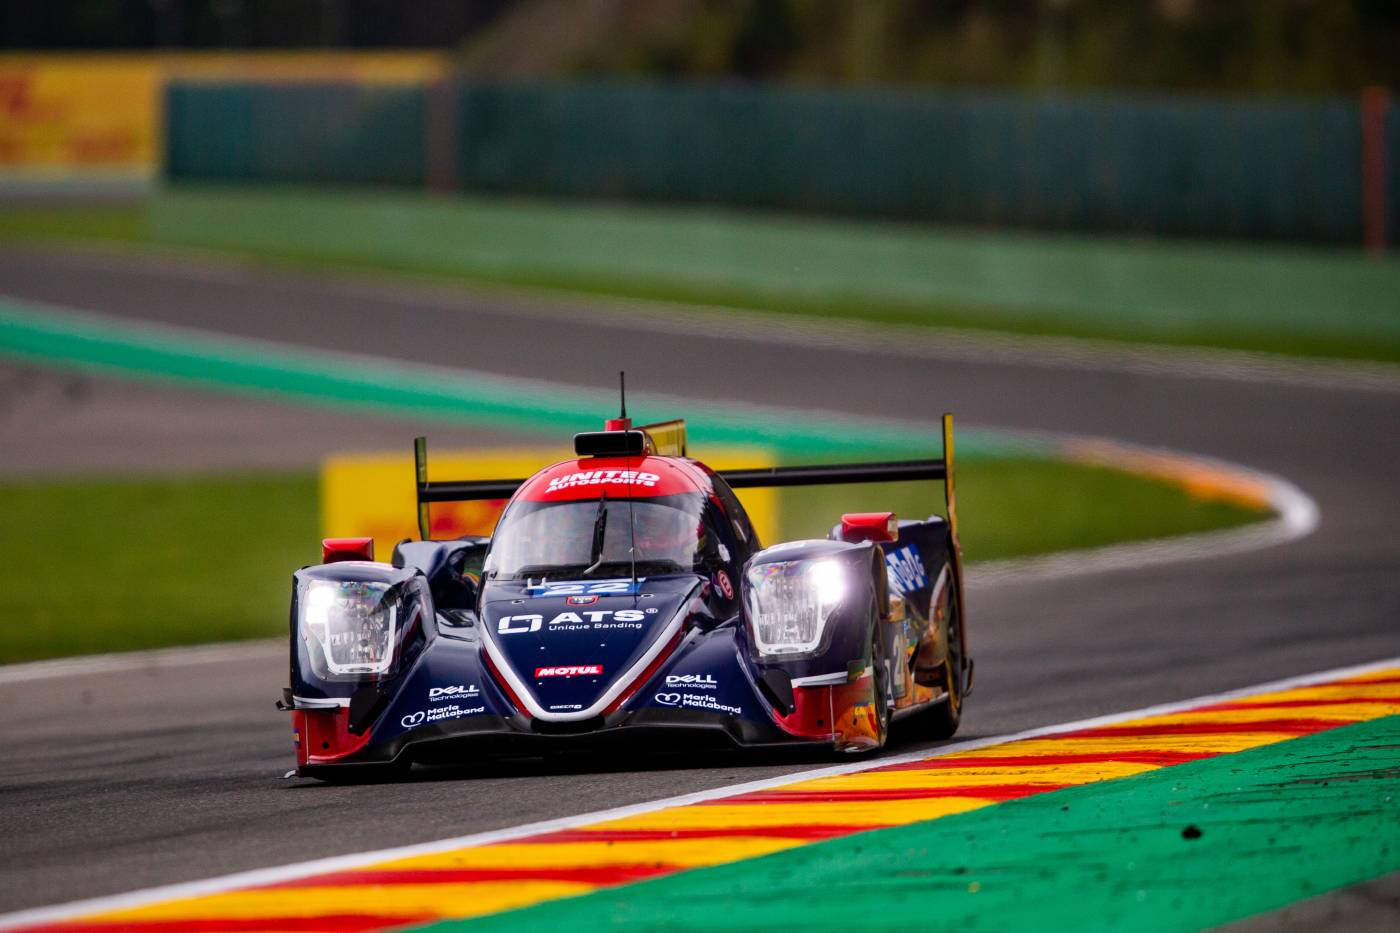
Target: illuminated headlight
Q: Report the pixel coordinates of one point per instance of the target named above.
(790, 601)
(355, 623)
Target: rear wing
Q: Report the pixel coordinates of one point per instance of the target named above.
(669, 437)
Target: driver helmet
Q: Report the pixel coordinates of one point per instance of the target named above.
(665, 533)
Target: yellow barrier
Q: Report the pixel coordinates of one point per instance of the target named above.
(373, 494)
(78, 114)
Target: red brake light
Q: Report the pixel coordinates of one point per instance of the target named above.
(882, 527)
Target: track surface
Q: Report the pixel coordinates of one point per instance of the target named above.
(115, 782)
(62, 424)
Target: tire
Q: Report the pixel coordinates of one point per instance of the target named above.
(942, 721)
(880, 685)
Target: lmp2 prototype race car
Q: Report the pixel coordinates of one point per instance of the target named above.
(624, 595)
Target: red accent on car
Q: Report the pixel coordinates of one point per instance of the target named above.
(325, 735)
(505, 687)
(617, 424)
(811, 714)
(338, 549)
(640, 477)
(646, 675)
(870, 526)
(843, 713)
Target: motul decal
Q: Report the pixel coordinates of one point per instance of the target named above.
(576, 670)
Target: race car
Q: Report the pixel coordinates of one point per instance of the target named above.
(624, 596)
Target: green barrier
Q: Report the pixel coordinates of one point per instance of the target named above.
(1392, 174)
(1205, 166)
(1091, 162)
(343, 133)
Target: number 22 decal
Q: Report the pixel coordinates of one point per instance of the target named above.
(601, 588)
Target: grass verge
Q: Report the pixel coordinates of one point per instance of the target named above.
(117, 565)
(1302, 301)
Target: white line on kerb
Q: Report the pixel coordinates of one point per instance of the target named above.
(1296, 516)
(297, 870)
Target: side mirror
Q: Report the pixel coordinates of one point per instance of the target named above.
(470, 587)
(458, 618)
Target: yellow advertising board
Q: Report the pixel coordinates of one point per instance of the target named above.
(373, 494)
(78, 112)
(83, 113)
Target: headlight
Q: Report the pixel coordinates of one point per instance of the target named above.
(356, 623)
(790, 601)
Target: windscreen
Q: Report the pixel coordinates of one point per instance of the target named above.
(593, 537)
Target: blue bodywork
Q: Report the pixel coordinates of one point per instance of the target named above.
(525, 665)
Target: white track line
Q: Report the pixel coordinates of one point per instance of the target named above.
(122, 661)
(297, 870)
(1297, 516)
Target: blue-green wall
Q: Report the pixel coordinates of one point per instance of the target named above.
(333, 133)
(1206, 166)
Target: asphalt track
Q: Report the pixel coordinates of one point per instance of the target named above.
(113, 781)
(59, 424)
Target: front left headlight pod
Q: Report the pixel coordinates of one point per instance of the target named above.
(790, 602)
(356, 627)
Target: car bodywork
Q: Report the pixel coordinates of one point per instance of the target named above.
(468, 647)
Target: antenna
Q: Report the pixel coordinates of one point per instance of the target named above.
(632, 534)
(627, 463)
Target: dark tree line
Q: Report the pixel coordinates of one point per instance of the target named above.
(241, 24)
(1233, 45)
